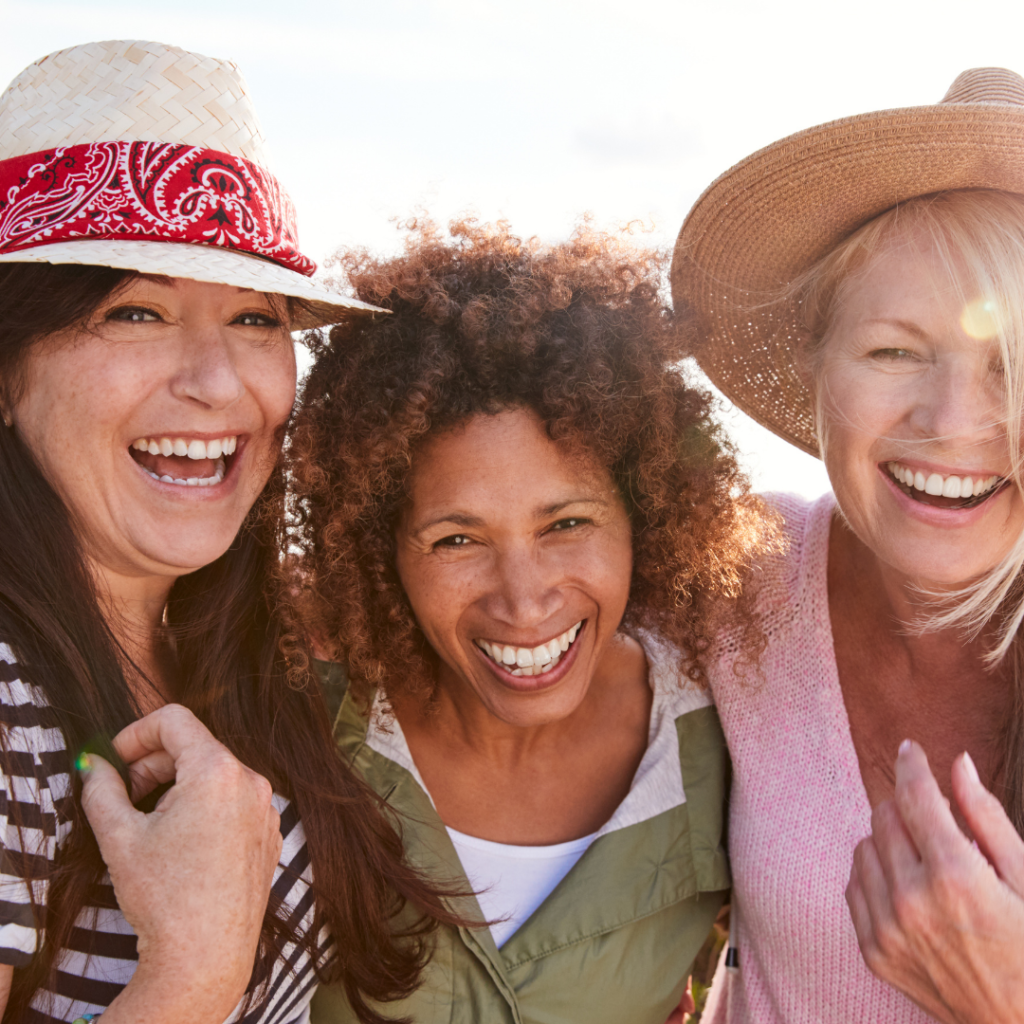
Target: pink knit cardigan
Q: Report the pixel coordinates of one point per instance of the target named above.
(798, 809)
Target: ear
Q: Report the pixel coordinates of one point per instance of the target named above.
(5, 407)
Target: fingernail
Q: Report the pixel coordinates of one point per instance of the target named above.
(904, 746)
(84, 764)
(971, 769)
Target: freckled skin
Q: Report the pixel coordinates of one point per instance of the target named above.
(206, 358)
(507, 539)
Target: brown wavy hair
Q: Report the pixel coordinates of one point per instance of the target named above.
(481, 321)
(234, 677)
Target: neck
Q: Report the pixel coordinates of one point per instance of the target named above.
(892, 607)
(133, 607)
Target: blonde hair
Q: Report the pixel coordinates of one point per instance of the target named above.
(979, 235)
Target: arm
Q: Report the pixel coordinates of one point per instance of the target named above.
(936, 916)
(193, 877)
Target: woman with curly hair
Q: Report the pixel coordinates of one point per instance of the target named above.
(516, 522)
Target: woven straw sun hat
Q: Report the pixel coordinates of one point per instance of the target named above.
(772, 216)
(146, 157)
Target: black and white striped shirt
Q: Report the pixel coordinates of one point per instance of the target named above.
(102, 956)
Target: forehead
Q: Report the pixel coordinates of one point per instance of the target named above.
(912, 276)
(503, 459)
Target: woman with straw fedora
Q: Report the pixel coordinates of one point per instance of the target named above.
(149, 281)
(858, 288)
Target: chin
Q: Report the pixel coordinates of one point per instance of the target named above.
(188, 556)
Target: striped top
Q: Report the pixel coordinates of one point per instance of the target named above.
(102, 955)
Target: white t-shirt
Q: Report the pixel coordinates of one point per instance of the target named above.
(511, 882)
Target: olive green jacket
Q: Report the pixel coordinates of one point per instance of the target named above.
(614, 941)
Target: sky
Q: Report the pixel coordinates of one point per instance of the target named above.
(541, 111)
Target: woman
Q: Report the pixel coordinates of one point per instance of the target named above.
(858, 290)
(515, 519)
(147, 294)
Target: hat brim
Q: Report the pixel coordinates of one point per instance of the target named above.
(770, 217)
(212, 264)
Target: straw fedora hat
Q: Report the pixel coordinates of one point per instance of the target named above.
(146, 157)
(769, 218)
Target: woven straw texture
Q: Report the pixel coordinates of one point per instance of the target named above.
(766, 220)
(126, 90)
(202, 263)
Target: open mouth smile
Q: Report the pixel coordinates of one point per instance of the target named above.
(187, 462)
(945, 491)
(530, 661)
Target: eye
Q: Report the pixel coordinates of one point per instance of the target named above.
(133, 315)
(568, 524)
(253, 319)
(456, 540)
(892, 354)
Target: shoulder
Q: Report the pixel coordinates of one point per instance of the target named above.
(780, 579)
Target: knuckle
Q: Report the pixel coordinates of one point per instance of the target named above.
(263, 791)
(178, 713)
(949, 888)
(918, 790)
(906, 908)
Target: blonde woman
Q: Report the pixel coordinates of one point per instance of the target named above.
(859, 289)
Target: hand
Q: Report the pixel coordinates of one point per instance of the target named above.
(937, 917)
(686, 1005)
(193, 877)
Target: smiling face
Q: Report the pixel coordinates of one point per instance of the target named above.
(158, 423)
(910, 385)
(517, 560)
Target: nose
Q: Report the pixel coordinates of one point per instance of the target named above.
(525, 591)
(208, 374)
(962, 403)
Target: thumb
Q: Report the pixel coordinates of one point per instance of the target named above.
(992, 829)
(104, 799)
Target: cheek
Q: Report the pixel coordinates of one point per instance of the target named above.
(611, 573)
(271, 381)
(436, 593)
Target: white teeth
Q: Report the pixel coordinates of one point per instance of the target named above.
(213, 449)
(193, 481)
(197, 450)
(179, 447)
(166, 446)
(945, 486)
(530, 661)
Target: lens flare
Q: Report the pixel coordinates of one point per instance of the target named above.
(981, 319)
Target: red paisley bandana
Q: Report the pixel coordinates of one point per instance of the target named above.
(147, 191)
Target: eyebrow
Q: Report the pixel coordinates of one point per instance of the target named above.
(904, 325)
(468, 521)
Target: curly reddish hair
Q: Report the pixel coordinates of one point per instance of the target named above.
(482, 321)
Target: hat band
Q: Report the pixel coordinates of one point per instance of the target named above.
(147, 191)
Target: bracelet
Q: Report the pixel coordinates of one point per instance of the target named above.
(87, 1018)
